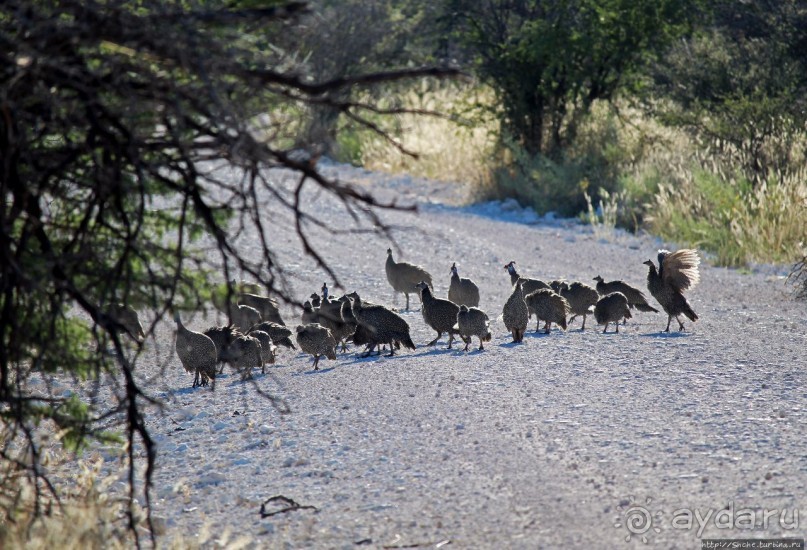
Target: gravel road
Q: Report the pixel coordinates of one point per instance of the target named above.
(573, 440)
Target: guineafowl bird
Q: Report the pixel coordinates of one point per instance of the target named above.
(266, 307)
(384, 326)
(549, 307)
(636, 298)
(462, 291)
(473, 322)
(310, 313)
(677, 272)
(330, 316)
(515, 313)
(222, 337)
(611, 308)
(267, 348)
(528, 286)
(403, 276)
(439, 314)
(127, 317)
(280, 334)
(243, 353)
(581, 297)
(316, 340)
(197, 353)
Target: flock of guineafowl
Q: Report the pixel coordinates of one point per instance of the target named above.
(328, 323)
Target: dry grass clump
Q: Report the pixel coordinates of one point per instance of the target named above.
(87, 514)
(449, 149)
(697, 195)
(91, 511)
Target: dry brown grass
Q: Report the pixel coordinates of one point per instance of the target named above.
(91, 510)
(449, 149)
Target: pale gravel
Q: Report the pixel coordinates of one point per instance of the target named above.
(539, 445)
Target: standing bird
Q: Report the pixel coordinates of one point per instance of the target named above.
(403, 276)
(128, 319)
(330, 317)
(581, 297)
(528, 285)
(462, 291)
(515, 313)
(317, 340)
(266, 307)
(549, 307)
(222, 337)
(279, 334)
(636, 298)
(197, 353)
(382, 325)
(310, 313)
(439, 314)
(611, 308)
(677, 272)
(473, 322)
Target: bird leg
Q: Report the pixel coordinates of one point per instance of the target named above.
(680, 324)
(669, 320)
(606, 328)
(391, 350)
(407, 301)
(481, 345)
(546, 328)
(583, 328)
(316, 362)
(617, 327)
(450, 339)
(439, 334)
(466, 345)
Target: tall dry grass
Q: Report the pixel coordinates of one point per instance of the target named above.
(455, 148)
(697, 194)
(91, 511)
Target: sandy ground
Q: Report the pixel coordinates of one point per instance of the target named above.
(572, 439)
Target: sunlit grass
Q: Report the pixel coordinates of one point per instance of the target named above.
(650, 176)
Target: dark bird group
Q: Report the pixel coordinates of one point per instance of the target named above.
(328, 323)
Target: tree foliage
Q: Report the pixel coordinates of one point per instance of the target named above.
(740, 84)
(549, 61)
(115, 121)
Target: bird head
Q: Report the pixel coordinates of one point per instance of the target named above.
(454, 267)
(422, 285)
(598, 279)
(650, 263)
(389, 252)
(464, 308)
(300, 328)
